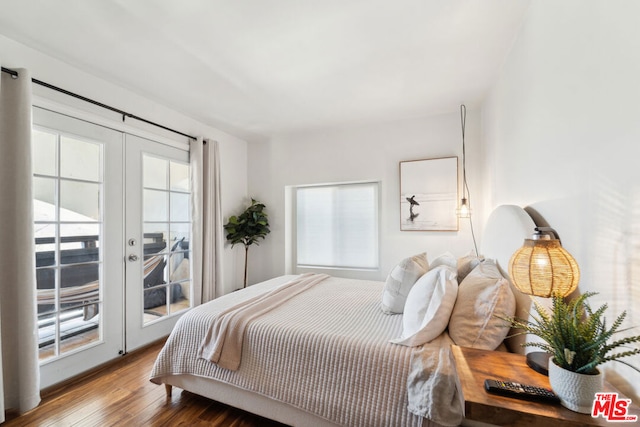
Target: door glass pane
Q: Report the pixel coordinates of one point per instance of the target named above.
(179, 177)
(46, 289)
(79, 159)
(80, 327)
(180, 269)
(45, 244)
(156, 204)
(180, 207)
(45, 149)
(155, 270)
(44, 199)
(167, 216)
(79, 201)
(180, 232)
(79, 243)
(68, 231)
(154, 172)
(155, 238)
(155, 303)
(182, 303)
(47, 332)
(80, 285)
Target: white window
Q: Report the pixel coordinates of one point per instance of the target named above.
(337, 226)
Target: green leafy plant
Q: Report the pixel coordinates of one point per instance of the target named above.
(247, 228)
(576, 336)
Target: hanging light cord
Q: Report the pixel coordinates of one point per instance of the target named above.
(465, 186)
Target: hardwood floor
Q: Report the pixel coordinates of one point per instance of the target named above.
(121, 394)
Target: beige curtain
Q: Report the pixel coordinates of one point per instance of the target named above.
(19, 373)
(207, 221)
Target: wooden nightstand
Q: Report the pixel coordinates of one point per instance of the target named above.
(474, 366)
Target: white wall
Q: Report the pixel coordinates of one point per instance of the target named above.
(233, 151)
(561, 134)
(359, 153)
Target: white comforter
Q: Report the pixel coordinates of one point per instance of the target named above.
(329, 347)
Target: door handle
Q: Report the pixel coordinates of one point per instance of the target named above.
(133, 258)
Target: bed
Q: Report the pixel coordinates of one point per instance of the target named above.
(331, 355)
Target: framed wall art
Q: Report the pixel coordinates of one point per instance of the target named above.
(429, 194)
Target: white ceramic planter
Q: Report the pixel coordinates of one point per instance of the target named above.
(576, 391)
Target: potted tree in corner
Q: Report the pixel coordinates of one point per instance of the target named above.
(578, 340)
(247, 228)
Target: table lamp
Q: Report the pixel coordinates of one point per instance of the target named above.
(543, 268)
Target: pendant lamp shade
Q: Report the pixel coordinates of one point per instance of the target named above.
(542, 267)
(464, 211)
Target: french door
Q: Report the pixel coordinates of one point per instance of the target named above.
(158, 230)
(112, 262)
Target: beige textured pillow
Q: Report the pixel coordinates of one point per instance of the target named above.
(428, 307)
(400, 281)
(466, 264)
(481, 295)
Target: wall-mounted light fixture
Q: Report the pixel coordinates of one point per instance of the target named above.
(543, 268)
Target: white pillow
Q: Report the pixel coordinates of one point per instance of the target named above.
(399, 282)
(483, 294)
(429, 305)
(446, 258)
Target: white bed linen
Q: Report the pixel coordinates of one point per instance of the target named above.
(326, 351)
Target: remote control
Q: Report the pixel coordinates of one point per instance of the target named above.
(520, 391)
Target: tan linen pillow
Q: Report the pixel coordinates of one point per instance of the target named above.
(483, 294)
(466, 264)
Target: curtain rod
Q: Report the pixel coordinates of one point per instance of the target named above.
(124, 114)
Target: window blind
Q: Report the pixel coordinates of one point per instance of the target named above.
(337, 226)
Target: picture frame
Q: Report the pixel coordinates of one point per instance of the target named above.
(429, 194)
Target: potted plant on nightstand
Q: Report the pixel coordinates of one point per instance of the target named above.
(578, 340)
(247, 228)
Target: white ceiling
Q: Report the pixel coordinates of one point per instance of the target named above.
(258, 67)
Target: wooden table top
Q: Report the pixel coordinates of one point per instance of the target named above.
(474, 366)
